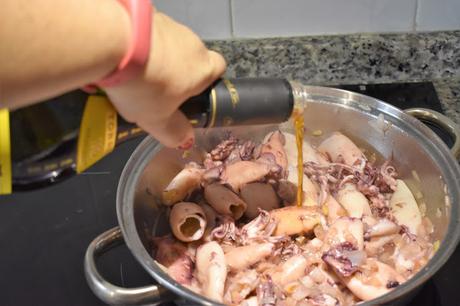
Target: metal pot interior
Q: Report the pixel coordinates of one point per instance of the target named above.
(419, 156)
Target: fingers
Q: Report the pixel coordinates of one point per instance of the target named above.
(179, 66)
(218, 63)
(215, 68)
(175, 132)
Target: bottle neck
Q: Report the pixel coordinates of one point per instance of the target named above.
(301, 97)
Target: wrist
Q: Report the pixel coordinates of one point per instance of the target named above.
(118, 41)
(109, 33)
(137, 51)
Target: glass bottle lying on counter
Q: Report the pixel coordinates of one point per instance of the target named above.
(50, 141)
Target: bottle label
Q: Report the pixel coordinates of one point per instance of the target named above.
(5, 153)
(98, 131)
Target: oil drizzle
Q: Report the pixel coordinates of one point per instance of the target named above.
(299, 134)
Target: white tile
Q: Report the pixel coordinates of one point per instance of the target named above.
(438, 15)
(210, 19)
(265, 18)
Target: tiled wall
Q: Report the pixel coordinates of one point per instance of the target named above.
(222, 19)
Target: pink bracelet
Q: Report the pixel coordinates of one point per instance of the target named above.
(136, 56)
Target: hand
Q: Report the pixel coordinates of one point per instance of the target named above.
(180, 66)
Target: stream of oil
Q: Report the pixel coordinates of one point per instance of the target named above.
(299, 134)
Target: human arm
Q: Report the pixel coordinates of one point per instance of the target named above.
(48, 47)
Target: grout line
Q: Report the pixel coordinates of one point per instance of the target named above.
(414, 24)
(232, 30)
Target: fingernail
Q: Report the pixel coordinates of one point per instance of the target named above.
(187, 144)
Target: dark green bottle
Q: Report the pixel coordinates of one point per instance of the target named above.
(50, 141)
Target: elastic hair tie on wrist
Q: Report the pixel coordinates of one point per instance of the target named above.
(137, 54)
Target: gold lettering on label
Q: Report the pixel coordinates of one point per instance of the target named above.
(66, 162)
(110, 134)
(136, 130)
(234, 96)
(51, 167)
(213, 107)
(123, 135)
(98, 132)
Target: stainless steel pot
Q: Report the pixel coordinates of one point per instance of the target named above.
(422, 159)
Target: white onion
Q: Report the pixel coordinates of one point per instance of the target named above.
(356, 257)
(383, 227)
(307, 281)
(301, 292)
(317, 276)
(329, 290)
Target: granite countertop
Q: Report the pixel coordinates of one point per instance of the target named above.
(353, 59)
(449, 94)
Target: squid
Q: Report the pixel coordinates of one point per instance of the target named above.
(258, 196)
(405, 208)
(346, 229)
(358, 233)
(383, 227)
(375, 245)
(410, 253)
(243, 172)
(274, 144)
(333, 210)
(287, 192)
(309, 154)
(338, 147)
(344, 259)
(239, 286)
(211, 270)
(310, 190)
(183, 184)
(240, 258)
(353, 201)
(260, 228)
(318, 288)
(291, 270)
(211, 218)
(375, 280)
(187, 221)
(266, 292)
(293, 220)
(174, 256)
(224, 201)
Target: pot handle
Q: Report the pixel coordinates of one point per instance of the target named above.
(446, 123)
(112, 294)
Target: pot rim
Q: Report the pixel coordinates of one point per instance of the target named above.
(149, 147)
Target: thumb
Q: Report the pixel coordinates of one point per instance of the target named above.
(218, 63)
(174, 132)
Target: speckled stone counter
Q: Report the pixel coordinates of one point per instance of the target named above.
(354, 59)
(449, 93)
